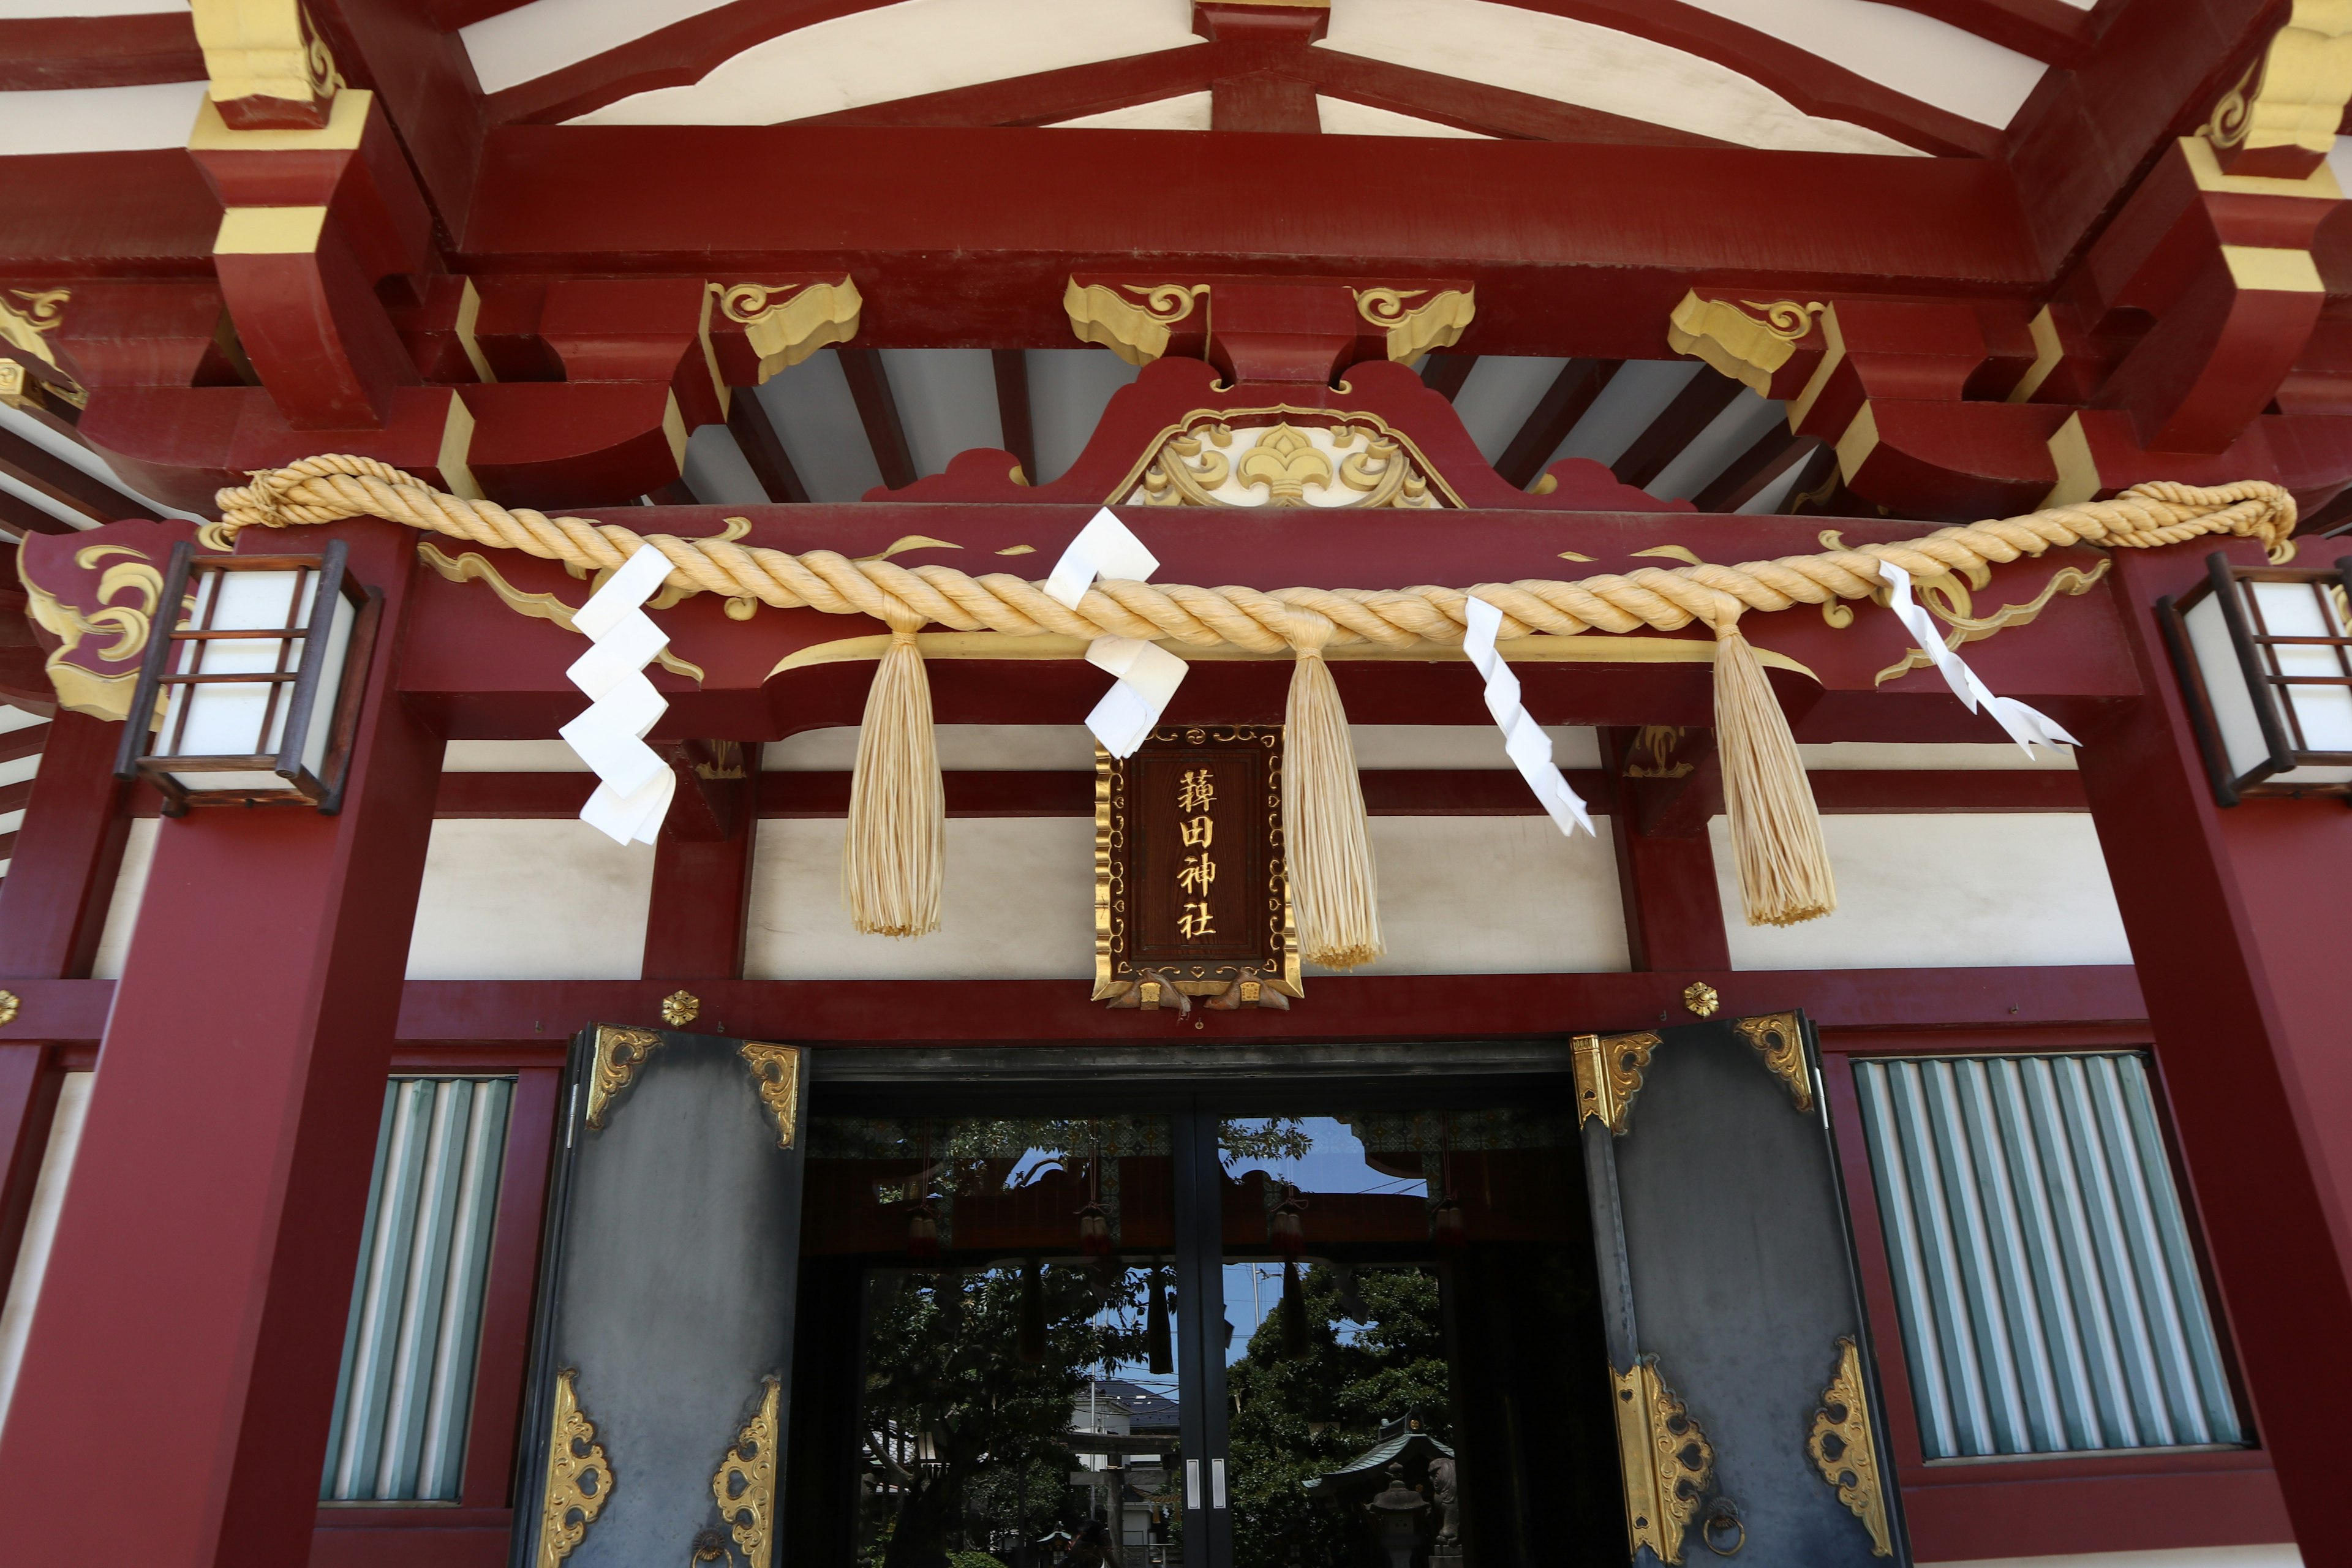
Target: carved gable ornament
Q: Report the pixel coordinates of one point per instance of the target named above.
(1343, 463)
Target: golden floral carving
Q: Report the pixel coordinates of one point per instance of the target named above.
(1609, 1075)
(1665, 1460)
(128, 625)
(1285, 462)
(1846, 1453)
(1701, 998)
(1136, 330)
(786, 323)
(1437, 323)
(578, 1477)
(619, 1053)
(748, 1511)
(776, 1075)
(1737, 344)
(1781, 1043)
(680, 1008)
(1210, 462)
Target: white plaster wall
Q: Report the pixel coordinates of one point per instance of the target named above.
(511, 757)
(1841, 756)
(123, 906)
(1018, 904)
(1495, 895)
(100, 118)
(2282, 1556)
(1943, 891)
(530, 901)
(40, 1230)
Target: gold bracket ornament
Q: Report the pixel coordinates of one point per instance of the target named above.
(261, 54)
(1135, 330)
(776, 1074)
(619, 1054)
(680, 1008)
(1666, 1460)
(9, 1007)
(1781, 1044)
(1851, 1467)
(1608, 1070)
(578, 1477)
(2294, 96)
(1737, 344)
(786, 323)
(1437, 323)
(22, 325)
(749, 1510)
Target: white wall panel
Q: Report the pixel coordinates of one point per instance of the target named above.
(100, 118)
(530, 901)
(1838, 756)
(123, 908)
(1495, 895)
(511, 757)
(40, 1229)
(1019, 904)
(1943, 891)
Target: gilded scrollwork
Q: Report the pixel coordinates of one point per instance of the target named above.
(1211, 461)
(578, 1477)
(1132, 320)
(474, 567)
(776, 1076)
(1437, 323)
(1734, 343)
(25, 324)
(1609, 1069)
(1779, 1039)
(1947, 598)
(745, 1483)
(786, 323)
(1666, 1458)
(1846, 1451)
(128, 625)
(618, 1054)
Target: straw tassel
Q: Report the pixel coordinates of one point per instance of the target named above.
(1776, 829)
(893, 857)
(1326, 846)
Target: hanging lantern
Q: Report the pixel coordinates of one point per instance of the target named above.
(255, 707)
(923, 1232)
(1155, 1326)
(1447, 1225)
(1094, 1231)
(1286, 1225)
(2265, 657)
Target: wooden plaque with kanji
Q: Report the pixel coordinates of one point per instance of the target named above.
(1188, 879)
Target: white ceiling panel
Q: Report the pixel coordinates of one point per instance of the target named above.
(946, 401)
(1636, 395)
(1067, 391)
(1916, 55)
(811, 407)
(1187, 111)
(714, 470)
(1733, 431)
(1500, 394)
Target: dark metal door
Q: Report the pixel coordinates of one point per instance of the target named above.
(662, 1360)
(1747, 1408)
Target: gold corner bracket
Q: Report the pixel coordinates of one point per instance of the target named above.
(745, 1483)
(1668, 1463)
(578, 1477)
(1781, 1042)
(1608, 1070)
(1437, 322)
(1846, 1451)
(619, 1054)
(776, 1076)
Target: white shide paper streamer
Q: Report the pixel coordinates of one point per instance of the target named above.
(2029, 727)
(1147, 674)
(634, 784)
(1524, 739)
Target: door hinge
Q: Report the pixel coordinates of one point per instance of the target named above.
(1667, 1462)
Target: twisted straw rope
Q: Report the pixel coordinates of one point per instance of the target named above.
(326, 489)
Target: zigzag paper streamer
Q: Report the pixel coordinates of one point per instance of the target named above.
(2029, 727)
(1148, 674)
(1524, 739)
(634, 784)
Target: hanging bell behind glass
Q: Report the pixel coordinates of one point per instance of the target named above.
(1155, 1326)
(1286, 1225)
(922, 1233)
(1447, 1225)
(1094, 1231)
(247, 692)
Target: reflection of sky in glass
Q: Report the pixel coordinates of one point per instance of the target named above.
(1335, 1163)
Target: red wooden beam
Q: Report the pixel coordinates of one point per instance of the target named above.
(46, 54)
(20, 517)
(1445, 373)
(1747, 476)
(2049, 30)
(763, 448)
(1554, 416)
(877, 410)
(1014, 413)
(62, 482)
(52, 904)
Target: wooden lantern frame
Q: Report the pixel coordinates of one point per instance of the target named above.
(140, 756)
(2255, 645)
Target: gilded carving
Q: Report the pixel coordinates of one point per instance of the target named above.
(2305, 80)
(1947, 599)
(680, 1008)
(618, 1054)
(472, 567)
(786, 323)
(1136, 329)
(1778, 1040)
(1413, 329)
(10, 1005)
(263, 49)
(1608, 1070)
(1208, 461)
(1846, 1453)
(578, 1477)
(24, 325)
(1651, 756)
(1701, 998)
(1737, 344)
(121, 629)
(1666, 1461)
(745, 1484)
(776, 1075)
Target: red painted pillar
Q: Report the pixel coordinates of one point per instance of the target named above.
(2237, 924)
(53, 903)
(196, 1294)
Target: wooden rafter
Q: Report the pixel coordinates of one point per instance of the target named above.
(763, 448)
(19, 517)
(1014, 415)
(2050, 31)
(64, 483)
(53, 53)
(1445, 374)
(1748, 476)
(877, 410)
(1554, 416)
(1680, 423)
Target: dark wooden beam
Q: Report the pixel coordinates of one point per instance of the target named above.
(763, 448)
(1694, 408)
(674, 493)
(17, 744)
(1747, 476)
(1555, 414)
(1013, 408)
(21, 517)
(877, 410)
(53, 53)
(1445, 373)
(63, 482)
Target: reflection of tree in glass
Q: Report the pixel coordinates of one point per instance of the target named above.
(969, 1440)
(1264, 1140)
(1298, 1417)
